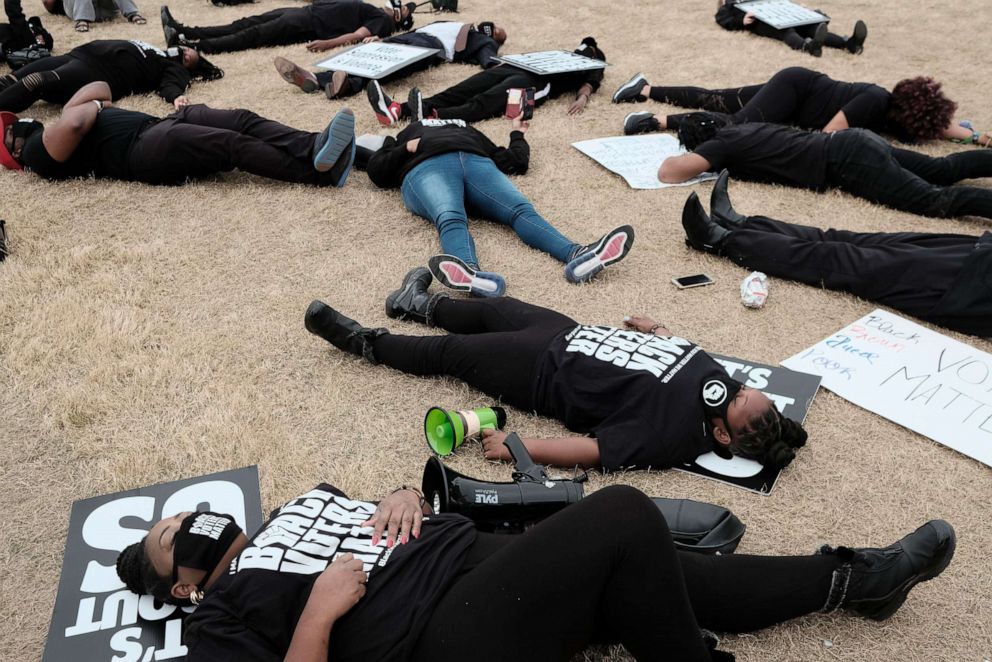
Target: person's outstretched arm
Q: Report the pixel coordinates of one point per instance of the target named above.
(678, 169)
(78, 116)
(345, 39)
(559, 451)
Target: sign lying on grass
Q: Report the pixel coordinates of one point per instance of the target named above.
(792, 392)
(911, 375)
(96, 618)
(637, 158)
(782, 14)
(546, 63)
(376, 59)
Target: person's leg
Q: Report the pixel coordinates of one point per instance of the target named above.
(790, 36)
(835, 41)
(602, 570)
(127, 8)
(946, 170)
(54, 79)
(478, 97)
(435, 190)
(293, 26)
(298, 144)
(469, 316)
(211, 31)
(80, 10)
(489, 193)
(777, 100)
(728, 100)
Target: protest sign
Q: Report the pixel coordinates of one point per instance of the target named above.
(637, 158)
(546, 63)
(782, 14)
(376, 59)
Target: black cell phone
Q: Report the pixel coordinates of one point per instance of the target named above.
(698, 280)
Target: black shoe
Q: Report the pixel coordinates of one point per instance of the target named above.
(856, 42)
(721, 210)
(700, 231)
(342, 332)
(642, 122)
(631, 90)
(814, 45)
(875, 582)
(334, 88)
(172, 37)
(412, 301)
(168, 21)
(334, 144)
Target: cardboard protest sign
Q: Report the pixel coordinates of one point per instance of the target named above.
(97, 619)
(637, 158)
(911, 375)
(782, 14)
(376, 59)
(792, 392)
(545, 63)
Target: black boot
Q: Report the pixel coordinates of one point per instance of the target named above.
(342, 332)
(701, 233)
(874, 582)
(814, 45)
(412, 301)
(856, 42)
(720, 208)
(168, 21)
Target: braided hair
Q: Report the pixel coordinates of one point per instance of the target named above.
(696, 128)
(205, 70)
(135, 569)
(918, 106)
(770, 438)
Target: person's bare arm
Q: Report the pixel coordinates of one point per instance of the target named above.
(645, 324)
(345, 39)
(963, 133)
(334, 593)
(78, 116)
(837, 123)
(677, 169)
(560, 451)
(581, 99)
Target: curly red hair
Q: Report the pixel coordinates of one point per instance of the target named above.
(919, 107)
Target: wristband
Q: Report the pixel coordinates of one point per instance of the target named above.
(655, 328)
(99, 106)
(420, 495)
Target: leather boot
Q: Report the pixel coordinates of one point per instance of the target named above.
(412, 301)
(342, 332)
(701, 233)
(720, 208)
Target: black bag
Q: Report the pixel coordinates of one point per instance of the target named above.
(19, 58)
(701, 527)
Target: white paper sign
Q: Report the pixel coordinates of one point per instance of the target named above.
(637, 158)
(911, 375)
(376, 59)
(782, 14)
(546, 63)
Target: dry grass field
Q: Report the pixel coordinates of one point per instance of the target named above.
(151, 333)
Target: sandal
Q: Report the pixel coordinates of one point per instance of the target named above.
(136, 18)
(82, 26)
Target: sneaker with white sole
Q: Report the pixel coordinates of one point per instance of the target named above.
(590, 260)
(296, 75)
(452, 272)
(642, 122)
(333, 143)
(387, 111)
(631, 90)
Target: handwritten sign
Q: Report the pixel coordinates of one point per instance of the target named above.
(637, 158)
(95, 617)
(911, 375)
(547, 63)
(782, 14)
(791, 392)
(376, 59)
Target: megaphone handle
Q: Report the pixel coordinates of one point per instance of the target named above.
(522, 461)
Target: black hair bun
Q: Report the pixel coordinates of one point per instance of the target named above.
(129, 567)
(793, 433)
(778, 455)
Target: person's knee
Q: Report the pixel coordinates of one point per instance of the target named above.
(631, 513)
(450, 220)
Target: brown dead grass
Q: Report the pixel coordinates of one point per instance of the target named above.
(148, 334)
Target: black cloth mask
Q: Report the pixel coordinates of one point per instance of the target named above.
(202, 541)
(26, 128)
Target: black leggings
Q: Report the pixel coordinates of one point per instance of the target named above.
(481, 95)
(795, 37)
(53, 79)
(279, 27)
(493, 345)
(605, 571)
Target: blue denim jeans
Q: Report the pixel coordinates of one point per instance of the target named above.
(445, 188)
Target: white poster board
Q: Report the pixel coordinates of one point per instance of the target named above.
(910, 375)
(637, 158)
(782, 14)
(546, 63)
(376, 59)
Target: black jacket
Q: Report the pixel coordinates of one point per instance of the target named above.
(390, 164)
(134, 67)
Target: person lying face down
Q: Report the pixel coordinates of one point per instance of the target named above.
(92, 138)
(647, 397)
(320, 581)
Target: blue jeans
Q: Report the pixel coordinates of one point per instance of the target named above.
(444, 188)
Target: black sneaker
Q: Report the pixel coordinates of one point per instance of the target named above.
(415, 102)
(172, 37)
(701, 232)
(593, 258)
(342, 332)
(631, 90)
(642, 122)
(856, 42)
(386, 110)
(167, 20)
(296, 75)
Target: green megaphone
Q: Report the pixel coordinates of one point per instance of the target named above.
(446, 430)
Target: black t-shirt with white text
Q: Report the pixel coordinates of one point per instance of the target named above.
(333, 18)
(250, 614)
(641, 395)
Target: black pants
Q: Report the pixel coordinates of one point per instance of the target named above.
(861, 163)
(481, 95)
(494, 345)
(53, 79)
(605, 571)
(795, 37)
(279, 27)
(16, 33)
(198, 141)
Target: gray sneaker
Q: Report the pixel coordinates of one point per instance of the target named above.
(631, 90)
(642, 122)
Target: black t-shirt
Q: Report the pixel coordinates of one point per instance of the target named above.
(864, 104)
(104, 152)
(250, 614)
(333, 18)
(134, 66)
(769, 153)
(639, 394)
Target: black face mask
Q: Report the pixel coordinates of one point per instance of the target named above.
(717, 394)
(25, 129)
(202, 541)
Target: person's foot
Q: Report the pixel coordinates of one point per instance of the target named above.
(172, 37)
(814, 45)
(721, 210)
(82, 26)
(593, 258)
(642, 122)
(419, 109)
(856, 42)
(701, 232)
(387, 111)
(136, 18)
(631, 90)
(412, 301)
(874, 582)
(342, 332)
(168, 21)
(333, 89)
(453, 273)
(296, 75)
(336, 142)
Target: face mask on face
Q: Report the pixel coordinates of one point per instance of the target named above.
(202, 541)
(24, 129)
